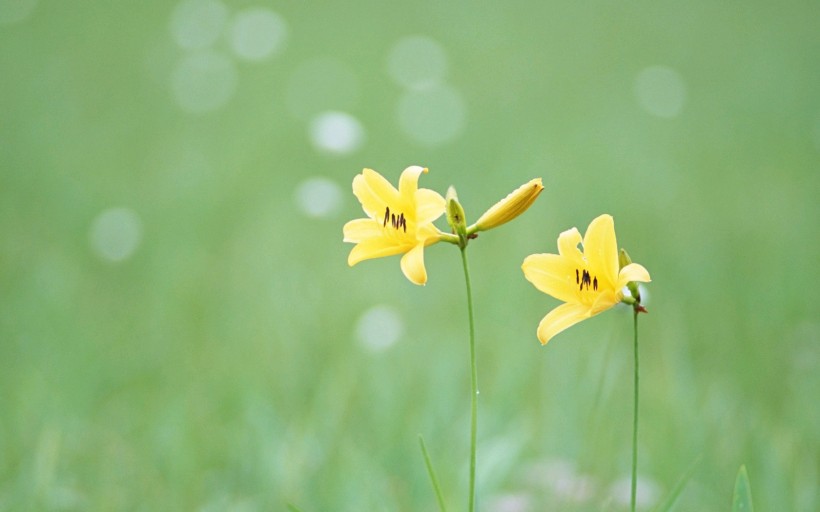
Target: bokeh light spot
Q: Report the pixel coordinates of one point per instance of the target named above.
(417, 62)
(379, 328)
(115, 234)
(336, 132)
(204, 82)
(660, 91)
(15, 11)
(318, 197)
(197, 24)
(646, 495)
(257, 33)
(320, 85)
(433, 116)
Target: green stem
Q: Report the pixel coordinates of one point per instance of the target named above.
(635, 419)
(432, 474)
(473, 381)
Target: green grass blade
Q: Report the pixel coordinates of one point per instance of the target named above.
(670, 500)
(432, 474)
(293, 508)
(742, 500)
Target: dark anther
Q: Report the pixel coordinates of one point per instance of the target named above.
(398, 222)
(595, 284)
(577, 279)
(586, 279)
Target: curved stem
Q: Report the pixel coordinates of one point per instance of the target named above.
(635, 419)
(473, 381)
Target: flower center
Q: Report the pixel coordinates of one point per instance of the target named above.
(397, 221)
(583, 278)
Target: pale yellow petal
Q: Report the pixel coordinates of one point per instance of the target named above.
(409, 182)
(358, 230)
(560, 318)
(374, 192)
(429, 206)
(605, 300)
(374, 248)
(601, 250)
(412, 264)
(633, 272)
(568, 246)
(428, 234)
(553, 275)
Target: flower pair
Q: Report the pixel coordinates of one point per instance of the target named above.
(401, 222)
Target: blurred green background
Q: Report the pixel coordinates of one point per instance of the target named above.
(179, 329)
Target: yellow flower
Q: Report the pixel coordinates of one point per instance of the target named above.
(398, 221)
(589, 282)
(510, 207)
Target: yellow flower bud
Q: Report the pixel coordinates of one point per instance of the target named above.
(510, 207)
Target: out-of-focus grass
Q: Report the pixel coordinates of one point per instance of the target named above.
(218, 366)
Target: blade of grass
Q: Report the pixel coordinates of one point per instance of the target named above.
(432, 474)
(670, 500)
(293, 508)
(742, 500)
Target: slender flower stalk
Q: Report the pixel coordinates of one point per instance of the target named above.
(502, 212)
(589, 283)
(473, 382)
(636, 310)
(400, 221)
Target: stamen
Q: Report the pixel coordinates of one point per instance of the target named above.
(586, 280)
(397, 221)
(577, 279)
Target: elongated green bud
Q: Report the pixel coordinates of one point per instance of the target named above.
(624, 260)
(456, 217)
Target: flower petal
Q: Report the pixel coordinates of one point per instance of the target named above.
(409, 181)
(428, 234)
(429, 206)
(358, 230)
(553, 275)
(374, 248)
(568, 246)
(412, 264)
(605, 300)
(374, 192)
(601, 250)
(633, 272)
(560, 318)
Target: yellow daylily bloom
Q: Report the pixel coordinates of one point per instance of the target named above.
(588, 282)
(398, 221)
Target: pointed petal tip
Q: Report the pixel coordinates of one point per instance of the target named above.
(412, 265)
